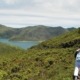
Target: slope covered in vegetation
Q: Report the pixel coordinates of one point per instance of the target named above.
(70, 39)
(36, 64)
(8, 55)
(38, 33)
(49, 60)
(8, 32)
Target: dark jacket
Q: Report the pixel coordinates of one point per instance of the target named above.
(76, 53)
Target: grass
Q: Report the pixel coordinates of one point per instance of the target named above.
(46, 61)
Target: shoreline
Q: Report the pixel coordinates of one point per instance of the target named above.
(26, 41)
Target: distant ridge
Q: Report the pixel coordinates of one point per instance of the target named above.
(31, 33)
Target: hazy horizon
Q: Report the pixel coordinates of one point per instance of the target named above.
(22, 13)
(23, 26)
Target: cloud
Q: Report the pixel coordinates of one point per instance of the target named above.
(10, 2)
(24, 18)
(42, 5)
(46, 12)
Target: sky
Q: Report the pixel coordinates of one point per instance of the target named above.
(21, 13)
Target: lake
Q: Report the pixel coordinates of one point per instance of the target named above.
(21, 44)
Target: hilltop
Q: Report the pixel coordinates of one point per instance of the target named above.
(50, 60)
(40, 33)
(7, 32)
(70, 39)
(31, 33)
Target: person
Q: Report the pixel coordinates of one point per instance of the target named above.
(77, 64)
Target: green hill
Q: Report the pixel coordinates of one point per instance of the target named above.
(38, 33)
(70, 39)
(7, 56)
(50, 60)
(7, 32)
(70, 29)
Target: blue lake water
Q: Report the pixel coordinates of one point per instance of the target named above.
(21, 44)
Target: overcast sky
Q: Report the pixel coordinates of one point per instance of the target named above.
(21, 13)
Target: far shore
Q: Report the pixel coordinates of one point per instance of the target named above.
(26, 41)
(23, 40)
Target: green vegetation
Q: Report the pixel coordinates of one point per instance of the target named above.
(70, 29)
(70, 39)
(7, 32)
(36, 64)
(50, 60)
(34, 33)
(8, 55)
(39, 33)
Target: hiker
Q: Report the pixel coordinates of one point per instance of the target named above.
(77, 64)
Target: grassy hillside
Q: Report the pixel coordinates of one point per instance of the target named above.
(36, 64)
(70, 29)
(49, 60)
(70, 39)
(39, 33)
(8, 55)
(7, 32)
